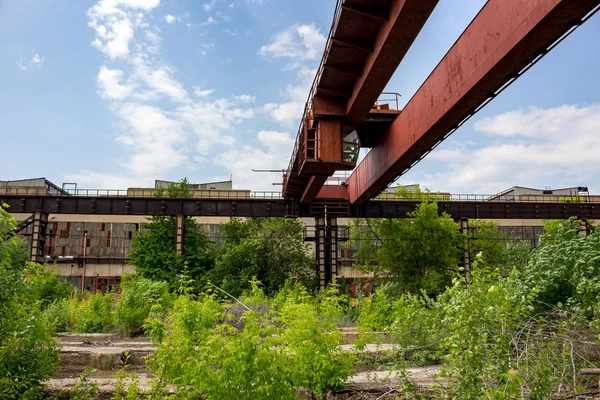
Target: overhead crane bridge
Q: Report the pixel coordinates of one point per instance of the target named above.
(367, 42)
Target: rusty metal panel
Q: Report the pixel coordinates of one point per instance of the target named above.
(504, 38)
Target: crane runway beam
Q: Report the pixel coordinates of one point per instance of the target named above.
(153, 206)
(500, 44)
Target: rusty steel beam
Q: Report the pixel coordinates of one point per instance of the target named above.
(314, 185)
(334, 207)
(501, 43)
(399, 30)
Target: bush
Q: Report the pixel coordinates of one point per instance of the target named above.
(375, 312)
(28, 354)
(48, 287)
(269, 249)
(566, 267)
(56, 315)
(91, 313)
(135, 301)
(271, 355)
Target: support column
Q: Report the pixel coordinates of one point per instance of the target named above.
(321, 251)
(332, 242)
(326, 248)
(38, 237)
(585, 227)
(179, 233)
(464, 227)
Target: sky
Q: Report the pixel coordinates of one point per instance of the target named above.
(118, 93)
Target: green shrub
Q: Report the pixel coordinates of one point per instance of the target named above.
(48, 287)
(566, 267)
(28, 354)
(270, 355)
(310, 339)
(57, 315)
(135, 300)
(375, 312)
(91, 313)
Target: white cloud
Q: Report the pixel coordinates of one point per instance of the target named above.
(109, 84)
(158, 137)
(210, 120)
(277, 147)
(209, 21)
(303, 45)
(115, 21)
(298, 43)
(209, 5)
(535, 147)
(36, 61)
(245, 98)
(531, 122)
(204, 48)
(170, 18)
(159, 79)
(154, 137)
(289, 112)
(203, 92)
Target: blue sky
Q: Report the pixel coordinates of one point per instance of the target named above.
(117, 93)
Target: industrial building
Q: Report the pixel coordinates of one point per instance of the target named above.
(96, 247)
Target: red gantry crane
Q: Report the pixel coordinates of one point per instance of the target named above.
(367, 42)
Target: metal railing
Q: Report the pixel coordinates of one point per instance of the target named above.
(142, 192)
(206, 194)
(388, 101)
(299, 136)
(523, 198)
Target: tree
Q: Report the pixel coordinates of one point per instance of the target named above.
(28, 354)
(268, 249)
(420, 252)
(153, 248)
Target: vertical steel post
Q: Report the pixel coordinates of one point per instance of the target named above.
(179, 233)
(321, 251)
(464, 227)
(38, 237)
(585, 227)
(332, 242)
(326, 247)
(84, 261)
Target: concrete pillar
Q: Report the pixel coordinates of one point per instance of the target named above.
(326, 247)
(464, 227)
(38, 237)
(179, 233)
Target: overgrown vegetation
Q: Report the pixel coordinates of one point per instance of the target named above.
(420, 253)
(239, 319)
(153, 248)
(520, 335)
(269, 349)
(124, 311)
(268, 249)
(27, 352)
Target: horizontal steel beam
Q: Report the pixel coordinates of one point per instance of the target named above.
(499, 45)
(288, 208)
